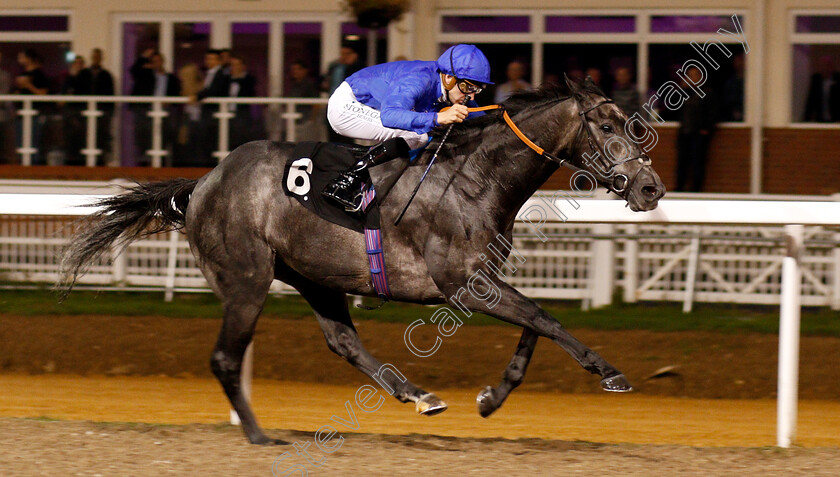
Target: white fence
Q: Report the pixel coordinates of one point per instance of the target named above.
(583, 261)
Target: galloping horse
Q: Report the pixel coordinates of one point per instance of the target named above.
(245, 233)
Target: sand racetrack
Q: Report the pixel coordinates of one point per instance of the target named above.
(53, 369)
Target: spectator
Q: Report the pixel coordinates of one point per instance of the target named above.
(733, 92)
(151, 79)
(597, 78)
(625, 94)
(31, 81)
(242, 85)
(73, 123)
(337, 71)
(302, 85)
(225, 55)
(5, 116)
(551, 80)
(514, 84)
(187, 147)
(823, 103)
(97, 81)
(697, 118)
(216, 84)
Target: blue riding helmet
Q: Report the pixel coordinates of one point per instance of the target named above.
(465, 62)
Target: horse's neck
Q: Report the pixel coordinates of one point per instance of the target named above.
(502, 172)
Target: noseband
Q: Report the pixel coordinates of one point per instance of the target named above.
(596, 148)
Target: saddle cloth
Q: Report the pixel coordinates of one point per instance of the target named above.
(314, 165)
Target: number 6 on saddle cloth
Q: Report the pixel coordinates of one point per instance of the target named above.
(312, 167)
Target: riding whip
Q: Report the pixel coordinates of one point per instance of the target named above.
(423, 177)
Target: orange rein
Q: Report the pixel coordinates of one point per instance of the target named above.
(510, 124)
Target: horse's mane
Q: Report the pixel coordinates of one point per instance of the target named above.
(516, 103)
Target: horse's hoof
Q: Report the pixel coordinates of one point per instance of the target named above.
(429, 405)
(616, 384)
(486, 402)
(267, 441)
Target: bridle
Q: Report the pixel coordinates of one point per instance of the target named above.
(594, 147)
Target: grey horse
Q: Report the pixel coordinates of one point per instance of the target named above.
(245, 232)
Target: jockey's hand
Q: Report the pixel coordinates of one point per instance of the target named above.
(456, 114)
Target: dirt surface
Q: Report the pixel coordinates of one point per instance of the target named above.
(121, 371)
(709, 365)
(94, 449)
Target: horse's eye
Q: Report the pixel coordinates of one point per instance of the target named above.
(606, 128)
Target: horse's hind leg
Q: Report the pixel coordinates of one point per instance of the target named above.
(490, 399)
(330, 308)
(241, 282)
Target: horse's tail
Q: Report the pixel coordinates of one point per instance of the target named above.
(142, 210)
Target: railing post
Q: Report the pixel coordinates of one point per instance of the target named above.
(224, 116)
(788, 385)
(119, 265)
(835, 275)
(157, 152)
(601, 267)
(171, 265)
(691, 273)
(631, 264)
(291, 115)
(90, 151)
(26, 150)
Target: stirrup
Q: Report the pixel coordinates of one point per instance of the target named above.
(337, 193)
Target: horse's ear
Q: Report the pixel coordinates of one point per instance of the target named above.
(589, 85)
(573, 87)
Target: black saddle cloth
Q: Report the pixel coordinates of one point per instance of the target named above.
(314, 165)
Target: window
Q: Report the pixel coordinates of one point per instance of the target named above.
(34, 23)
(486, 24)
(816, 68)
(649, 48)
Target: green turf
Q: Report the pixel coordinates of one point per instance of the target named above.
(655, 316)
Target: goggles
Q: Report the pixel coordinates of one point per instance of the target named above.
(467, 87)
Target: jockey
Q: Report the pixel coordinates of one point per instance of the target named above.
(397, 104)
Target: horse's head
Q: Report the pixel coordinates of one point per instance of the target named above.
(606, 150)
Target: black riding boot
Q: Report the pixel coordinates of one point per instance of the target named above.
(346, 189)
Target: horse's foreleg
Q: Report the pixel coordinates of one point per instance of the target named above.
(490, 399)
(330, 308)
(502, 301)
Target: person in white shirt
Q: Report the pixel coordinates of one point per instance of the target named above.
(515, 83)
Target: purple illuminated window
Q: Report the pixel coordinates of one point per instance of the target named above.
(34, 23)
(486, 24)
(692, 24)
(589, 24)
(818, 24)
(302, 28)
(351, 28)
(250, 28)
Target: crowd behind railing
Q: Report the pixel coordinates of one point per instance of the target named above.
(195, 116)
(190, 118)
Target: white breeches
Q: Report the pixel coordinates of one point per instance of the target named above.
(351, 118)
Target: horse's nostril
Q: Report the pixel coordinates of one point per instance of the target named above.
(650, 192)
